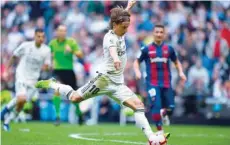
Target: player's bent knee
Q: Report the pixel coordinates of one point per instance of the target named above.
(138, 103)
(134, 104)
(75, 97)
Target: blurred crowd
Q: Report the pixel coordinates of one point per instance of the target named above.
(198, 31)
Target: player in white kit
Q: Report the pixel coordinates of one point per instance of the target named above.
(110, 80)
(33, 55)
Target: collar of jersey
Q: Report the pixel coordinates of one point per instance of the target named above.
(158, 45)
(116, 34)
(61, 41)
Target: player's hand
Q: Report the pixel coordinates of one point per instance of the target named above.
(131, 3)
(117, 64)
(68, 49)
(138, 75)
(182, 76)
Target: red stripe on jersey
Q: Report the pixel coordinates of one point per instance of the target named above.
(153, 65)
(165, 51)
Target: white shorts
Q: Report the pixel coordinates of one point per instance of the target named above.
(22, 88)
(102, 85)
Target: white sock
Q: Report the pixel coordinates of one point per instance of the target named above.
(11, 116)
(54, 85)
(61, 88)
(160, 132)
(12, 103)
(142, 122)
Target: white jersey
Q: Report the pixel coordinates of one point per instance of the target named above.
(31, 61)
(112, 40)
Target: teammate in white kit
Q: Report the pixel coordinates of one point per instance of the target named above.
(110, 81)
(33, 56)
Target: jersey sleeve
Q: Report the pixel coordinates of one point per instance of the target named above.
(173, 55)
(143, 54)
(110, 41)
(20, 50)
(48, 58)
(74, 45)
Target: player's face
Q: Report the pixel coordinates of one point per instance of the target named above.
(61, 32)
(39, 37)
(122, 28)
(158, 34)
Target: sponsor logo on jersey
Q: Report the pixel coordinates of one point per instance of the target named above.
(158, 59)
(152, 52)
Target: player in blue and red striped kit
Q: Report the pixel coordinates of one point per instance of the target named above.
(157, 57)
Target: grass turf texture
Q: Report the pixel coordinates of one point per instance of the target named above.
(37, 133)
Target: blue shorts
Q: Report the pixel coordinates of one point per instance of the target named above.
(159, 98)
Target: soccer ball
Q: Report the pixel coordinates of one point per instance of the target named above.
(157, 140)
(162, 140)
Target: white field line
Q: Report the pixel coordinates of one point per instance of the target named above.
(186, 135)
(78, 136)
(24, 129)
(110, 134)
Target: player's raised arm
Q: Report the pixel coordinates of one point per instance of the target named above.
(130, 4)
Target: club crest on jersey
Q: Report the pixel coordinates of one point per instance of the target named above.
(158, 59)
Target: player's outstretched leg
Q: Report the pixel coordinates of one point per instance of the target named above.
(64, 90)
(51, 83)
(141, 120)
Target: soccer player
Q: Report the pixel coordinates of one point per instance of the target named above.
(157, 56)
(110, 81)
(33, 56)
(63, 49)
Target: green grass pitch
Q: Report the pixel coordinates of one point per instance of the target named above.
(37, 133)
